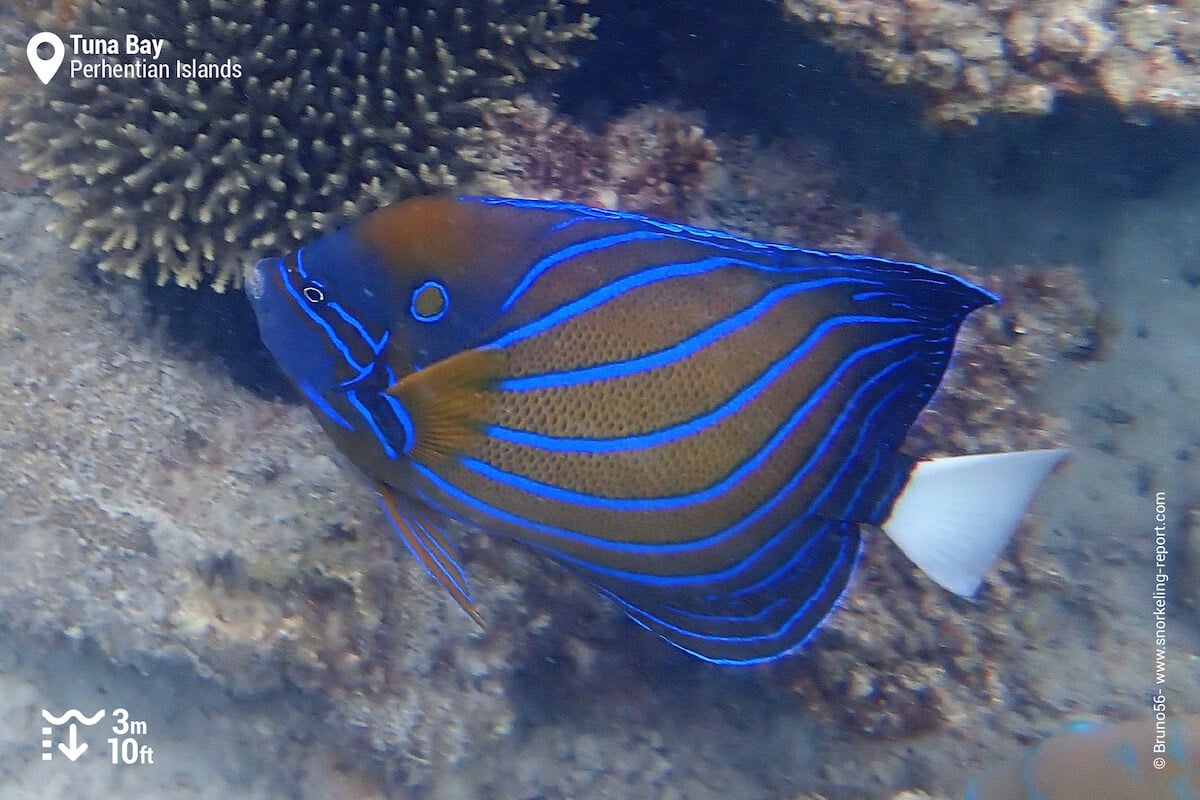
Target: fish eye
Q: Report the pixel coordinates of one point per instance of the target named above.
(313, 293)
(430, 301)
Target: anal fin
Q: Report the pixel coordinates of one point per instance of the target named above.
(425, 539)
(763, 619)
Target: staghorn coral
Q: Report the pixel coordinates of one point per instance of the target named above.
(339, 107)
(1018, 55)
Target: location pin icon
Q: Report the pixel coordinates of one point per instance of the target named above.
(45, 67)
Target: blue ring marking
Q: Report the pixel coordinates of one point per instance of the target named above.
(412, 308)
(730, 407)
(636, 547)
(668, 355)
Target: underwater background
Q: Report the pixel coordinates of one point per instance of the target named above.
(178, 538)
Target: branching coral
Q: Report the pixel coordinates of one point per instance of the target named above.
(339, 107)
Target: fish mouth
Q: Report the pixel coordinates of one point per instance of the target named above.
(255, 279)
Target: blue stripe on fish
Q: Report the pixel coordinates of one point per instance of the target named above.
(781, 637)
(728, 408)
(694, 422)
(720, 238)
(569, 252)
(647, 549)
(443, 556)
(615, 289)
(635, 442)
(322, 405)
(669, 355)
(306, 309)
(372, 424)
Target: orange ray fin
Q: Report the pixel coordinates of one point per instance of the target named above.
(425, 539)
(448, 401)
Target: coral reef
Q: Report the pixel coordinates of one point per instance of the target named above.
(649, 160)
(900, 656)
(184, 519)
(1019, 55)
(192, 178)
(45, 14)
(162, 514)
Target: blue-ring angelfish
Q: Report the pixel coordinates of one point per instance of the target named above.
(698, 424)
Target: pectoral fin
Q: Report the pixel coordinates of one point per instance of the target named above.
(448, 401)
(426, 540)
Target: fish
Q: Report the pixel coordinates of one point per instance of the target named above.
(1146, 759)
(699, 425)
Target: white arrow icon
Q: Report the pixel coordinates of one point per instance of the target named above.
(45, 67)
(74, 748)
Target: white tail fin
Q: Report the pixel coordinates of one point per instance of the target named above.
(955, 515)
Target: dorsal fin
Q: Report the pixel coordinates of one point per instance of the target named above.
(448, 401)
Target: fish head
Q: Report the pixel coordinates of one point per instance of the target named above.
(407, 286)
(323, 312)
(450, 265)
